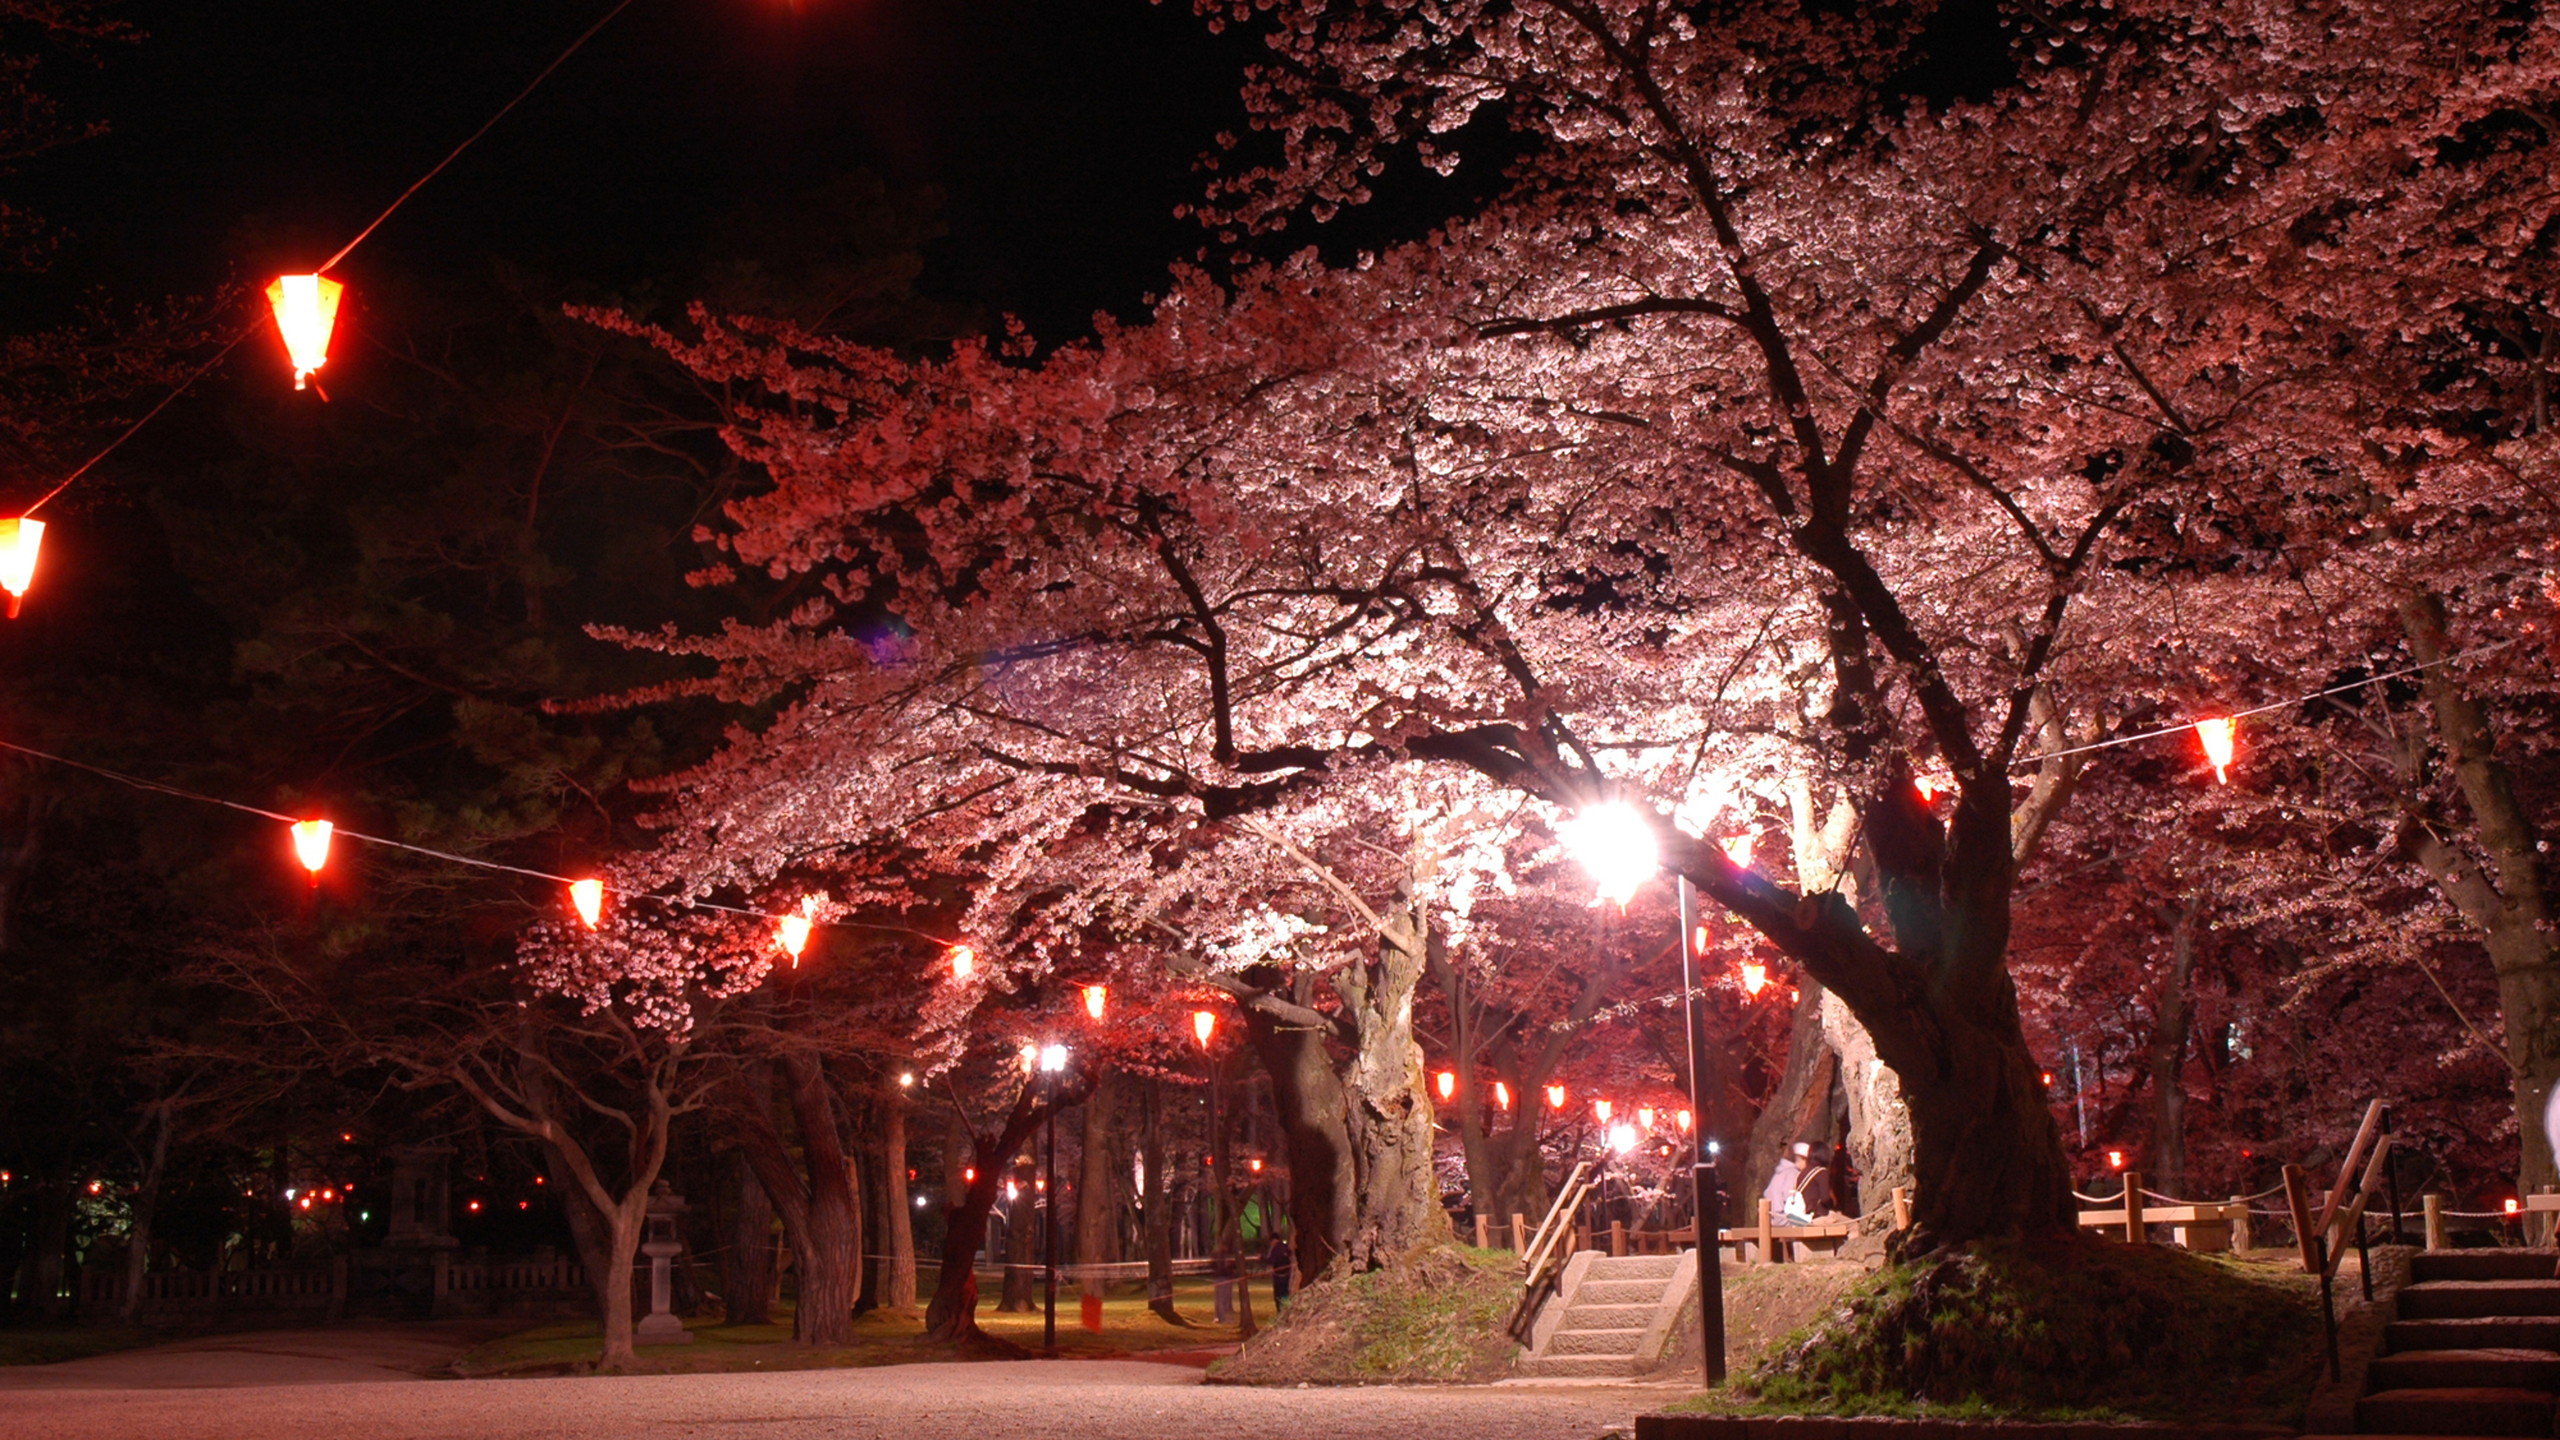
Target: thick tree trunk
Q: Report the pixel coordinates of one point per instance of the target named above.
(2166, 1164)
(1098, 1188)
(898, 1281)
(2509, 905)
(1879, 1122)
(1797, 1108)
(1307, 1094)
(1021, 1241)
(47, 1266)
(1396, 1193)
(953, 1315)
(146, 1205)
(1159, 1208)
(820, 1207)
(749, 1261)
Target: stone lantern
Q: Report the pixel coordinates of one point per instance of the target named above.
(660, 1243)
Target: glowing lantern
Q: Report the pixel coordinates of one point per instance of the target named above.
(1256, 1164)
(1754, 976)
(2218, 737)
(1928, 786)
(2511, 1205)
(1204, 1023)
(311, 845)
(1686, 1120)
(1738, 850)
(1698, 942)
(2115, 1159)
(2048, 1077)
(588, 897)
(1622, 1138)
(306, 309)
(20, 539)
(1501, 1095)
(1644, 1117)
(1447, 1083)
(791, 932)
(963, 961)
(1095, 998)
(1616, 844)
(1053, 1059)
(1030, 1057)
(1602, 1108)
(1555, 1097)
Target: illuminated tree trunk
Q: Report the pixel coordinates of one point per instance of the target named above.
(2507, 903)
(816, 1197)
(1097, 1190)
(898, 1282)
(1307, 1094)
(2166, 1164)
(1158, 1216)
(953, 1315)
(1021, 1239)
(1396, 1195)
(1798, 1106)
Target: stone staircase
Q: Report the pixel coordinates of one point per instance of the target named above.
(2475, 1350)
(1610, 1315)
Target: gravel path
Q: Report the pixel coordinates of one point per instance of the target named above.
(1030, 1400)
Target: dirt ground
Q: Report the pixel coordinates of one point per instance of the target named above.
(1764, 1304)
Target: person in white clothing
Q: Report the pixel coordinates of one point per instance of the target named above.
(1782, 1181)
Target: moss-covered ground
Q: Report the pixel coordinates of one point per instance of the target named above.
(1436, 1317)
(2065, 1329)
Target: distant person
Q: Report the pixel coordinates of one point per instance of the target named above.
(1782, 1181)
(1284, 1269)
(1813, 1186)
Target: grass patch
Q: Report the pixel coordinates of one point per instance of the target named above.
(53, 1346)
(2061, 1329)
(1435, 1317)
(879, 1338)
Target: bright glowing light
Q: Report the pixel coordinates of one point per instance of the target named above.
(1738, 849)
(1929, 786)
(1754, 976)
(473, 1207)
(2219, 738)
(1555, 1097)
(2115, 1159)
(20, 539)
(588, 897)
(1644, 1117)
(1715, 1147)
(964, 961)
(2511, 1205)
(791, 932)
(907, 1080)
(1204, 1023)
(1698, 942)
(1012, 1191)
(306, 309)
(969, 1174)
(919, 1202)
(1254, 1164)
(1096, 998)
(311, 845)
(2048, 1077)
(1501, 1095)
(1622, 1138)
(1602, 1108)
(1685, 1119)
(1616, 844)
(1446, 1082)
(1053, 1058)
(1030, 1057)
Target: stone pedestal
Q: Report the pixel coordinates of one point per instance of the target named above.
(660, 1244)
(421, 1198)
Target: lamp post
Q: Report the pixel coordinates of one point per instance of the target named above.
(1617, 843)
(1706, 1187)
(1053, 1062)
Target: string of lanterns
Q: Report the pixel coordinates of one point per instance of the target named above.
(305, 312)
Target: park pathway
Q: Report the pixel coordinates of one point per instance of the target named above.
(1016, 1400)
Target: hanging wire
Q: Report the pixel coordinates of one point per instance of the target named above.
(333, 261)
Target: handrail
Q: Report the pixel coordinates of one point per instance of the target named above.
(2347, 1167)
(1568, 1200)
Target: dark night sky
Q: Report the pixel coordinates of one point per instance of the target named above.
(255, 135)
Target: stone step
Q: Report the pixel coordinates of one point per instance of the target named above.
(2455, 1299)
(1617, 1292)
(2476, 1410)
(2483, 1332)
(1593, 1342)
(1560, 1367)
(2484, 1265)
(2495, 1367)
(1606, 1317)
(1632, 1267)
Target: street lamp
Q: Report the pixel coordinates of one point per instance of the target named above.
(1053, 1063)
(1618, 845)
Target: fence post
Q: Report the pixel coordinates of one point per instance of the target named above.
(1901, 1207)
(2243, 1233)
(1484, 1240)
(1519, 1231)
(2433, 1204)
(1768, 1242)
(1617, 1237)
(2133, 1231)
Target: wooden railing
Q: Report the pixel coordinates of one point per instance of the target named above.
(1543, 1261)
(2341, 1214)
(293, 1288)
